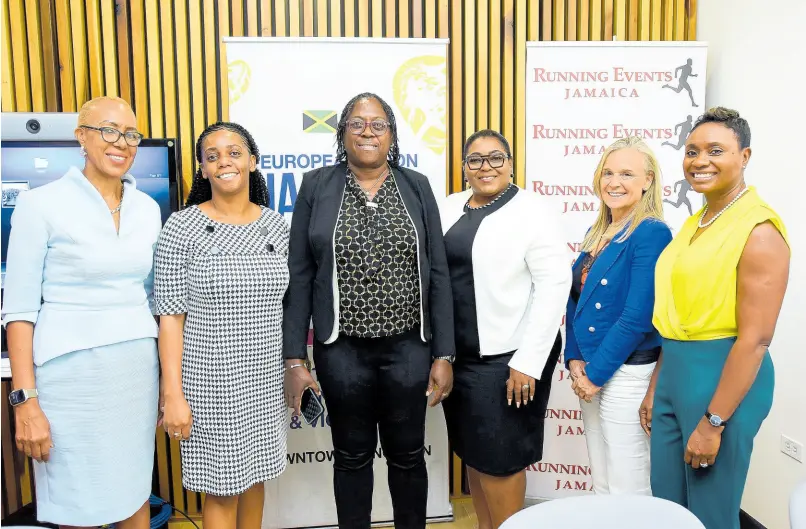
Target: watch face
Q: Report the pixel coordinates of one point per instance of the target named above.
(716, 420)
(16, 397)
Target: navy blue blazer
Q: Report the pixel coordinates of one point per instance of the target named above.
(613, 318)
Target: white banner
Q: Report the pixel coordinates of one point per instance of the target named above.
(289, 94)
(580, 98)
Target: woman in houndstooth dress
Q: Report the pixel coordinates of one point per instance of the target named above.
(221, 274)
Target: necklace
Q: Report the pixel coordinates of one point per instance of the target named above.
(369, 202)
(490, 203)
(113, 211)
(705, 211)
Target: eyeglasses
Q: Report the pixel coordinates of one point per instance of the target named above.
(496, 160)
(112, 135)
(377, 126)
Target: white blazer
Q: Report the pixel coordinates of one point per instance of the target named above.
(522, 276)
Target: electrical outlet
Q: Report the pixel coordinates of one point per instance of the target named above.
(792, 448)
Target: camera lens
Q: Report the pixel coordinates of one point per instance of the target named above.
(33, 126)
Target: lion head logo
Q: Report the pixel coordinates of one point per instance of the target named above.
(420, 94)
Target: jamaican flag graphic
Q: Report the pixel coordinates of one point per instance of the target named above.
(319, 121)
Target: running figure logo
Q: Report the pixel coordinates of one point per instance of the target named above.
(682, 195)
(683, 128)
(682, 82)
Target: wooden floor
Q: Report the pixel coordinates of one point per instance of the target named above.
(464, 518)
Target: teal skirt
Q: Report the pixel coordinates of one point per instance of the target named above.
(688, 378)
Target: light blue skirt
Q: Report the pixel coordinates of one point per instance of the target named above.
(102, 407)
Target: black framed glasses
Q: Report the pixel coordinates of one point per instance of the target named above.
(377, 126)
(112, 135)
(476, 161)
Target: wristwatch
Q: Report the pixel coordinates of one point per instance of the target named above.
(20, 396)
(715, 420)
(448, 359)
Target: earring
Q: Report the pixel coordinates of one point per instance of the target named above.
(83, 152)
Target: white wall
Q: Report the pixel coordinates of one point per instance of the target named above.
(756, 59)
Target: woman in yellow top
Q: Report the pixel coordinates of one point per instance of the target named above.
(719, 289)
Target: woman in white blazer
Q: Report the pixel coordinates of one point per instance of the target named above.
(510, 279)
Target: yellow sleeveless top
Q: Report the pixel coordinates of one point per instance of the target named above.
(695, 283)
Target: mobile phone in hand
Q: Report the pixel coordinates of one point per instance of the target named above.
(311, 406)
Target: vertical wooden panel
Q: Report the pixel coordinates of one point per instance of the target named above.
(294, 18)
(36, 66)
(210, 59)
(19, 58)
(280, 15)
(266, 18)
(656, 18)
(322, 29)
(482, 61)
(138, 36)
(559, 20)
(124, 51)
(50, 61)
(470, 68)
(645, 19)
(223, 69)
(108, 44)
(252, 22)
(377, 18)
(11, 488)
(363, 18)
(335, 18)
(495, 63)
(520, 92)
(632, 22)
(155, 72)
(236, 18)
(680, 20)
(691, 30)
(7, 77)
(668, 20)
(417, 20)
(65, 40)
(349, 19)
(444, 25)
(508, 72)
(403, 20)
(456, 101)
(547, 20)
(596, 17)
(79, 30)
(307, 18)
(607, 19)
(571, 20)
(390, 27)
(620, 20)
(185, 97)
(197, 93)
(583, 17)
(170, 49)
(533, 29)
(96, 65)
(431, 19)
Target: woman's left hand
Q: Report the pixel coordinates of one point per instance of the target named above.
(703, 445)
(584, 388)
(440, 383)
(520, 387)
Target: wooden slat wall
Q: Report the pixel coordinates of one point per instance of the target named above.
(56, 54)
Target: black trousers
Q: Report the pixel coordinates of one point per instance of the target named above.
(372, 386)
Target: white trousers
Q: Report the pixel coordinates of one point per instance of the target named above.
(618, 447)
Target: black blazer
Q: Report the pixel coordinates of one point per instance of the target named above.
(311, 261)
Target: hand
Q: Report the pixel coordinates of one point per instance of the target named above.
(160, 405)
(577, 368)
(33, 430)
(520, 387)
(440, 382)
(584, 388)
(177, 419)
(297, 380)
(703, 445)
(645, 411)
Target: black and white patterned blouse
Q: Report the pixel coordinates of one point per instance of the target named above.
(376, 263)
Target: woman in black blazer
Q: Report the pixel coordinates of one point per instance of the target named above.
(367, 262)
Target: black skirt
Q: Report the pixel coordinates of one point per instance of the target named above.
(489, 436)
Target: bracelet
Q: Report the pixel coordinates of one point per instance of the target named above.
(305, 363)
(448, 359)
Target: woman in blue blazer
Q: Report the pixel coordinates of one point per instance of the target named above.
(611, 347)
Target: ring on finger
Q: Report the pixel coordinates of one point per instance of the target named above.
(703, 465)
(177, 434)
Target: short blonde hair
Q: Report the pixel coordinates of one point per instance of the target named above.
(650, 205)
(87, 108)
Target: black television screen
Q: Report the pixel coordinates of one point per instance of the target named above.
(26, 165)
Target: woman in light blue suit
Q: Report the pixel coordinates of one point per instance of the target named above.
(611, 347)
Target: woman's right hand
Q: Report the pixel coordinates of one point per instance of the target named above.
(297, 380)
(645, 411)
(33, 430)
(577, 368)
(177, 418)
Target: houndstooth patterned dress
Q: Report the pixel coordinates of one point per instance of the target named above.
(230, 281)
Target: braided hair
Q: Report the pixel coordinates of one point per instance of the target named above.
(201, 190)
(393, 156)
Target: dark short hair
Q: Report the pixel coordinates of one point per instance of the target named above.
(486, 133)
(730, 119)
(393, 156)
(201, 190)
